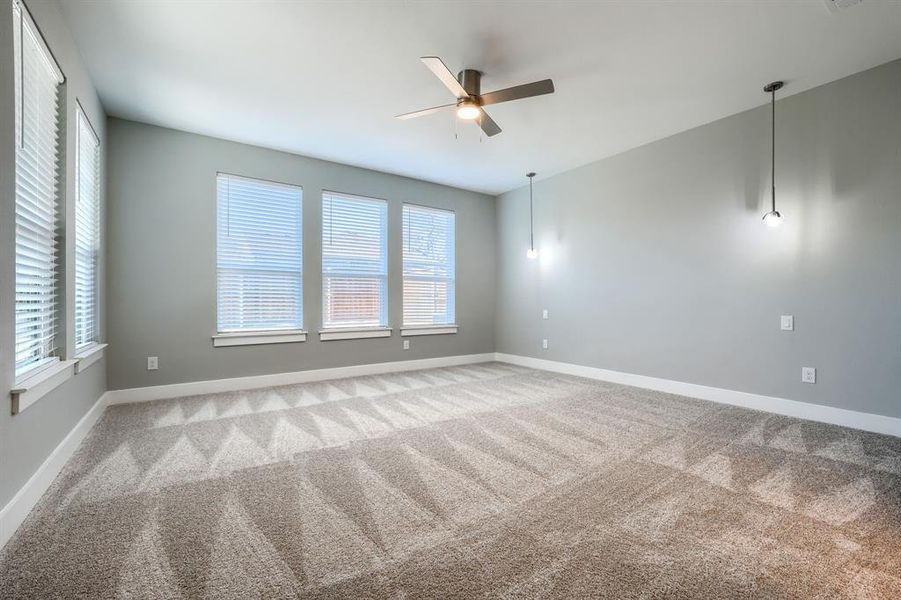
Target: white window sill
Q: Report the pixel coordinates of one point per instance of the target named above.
(429, 330)
(88, 356)
(254, 338)
(30, 390)
(326, 335)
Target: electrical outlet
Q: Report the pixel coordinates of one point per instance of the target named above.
(787, 322)
(406, 344)
(808, 375)
(544, 314)
(153, 363)
(544, 344)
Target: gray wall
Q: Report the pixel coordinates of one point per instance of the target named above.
(27, 439)
(162, 259)
(655, 261)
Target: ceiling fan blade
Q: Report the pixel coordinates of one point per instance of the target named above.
(527, 90)
(437, 66)
(424, 111)
(488, 125)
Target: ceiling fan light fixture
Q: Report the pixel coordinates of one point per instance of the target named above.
(468, 110)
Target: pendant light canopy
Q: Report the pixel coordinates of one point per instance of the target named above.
(532, 252)
(773, 218)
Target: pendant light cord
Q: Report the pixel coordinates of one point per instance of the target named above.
(773, 148)
(531, 218)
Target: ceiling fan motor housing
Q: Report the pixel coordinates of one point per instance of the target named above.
(471, 80)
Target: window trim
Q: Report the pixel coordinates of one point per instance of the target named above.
(88, 355)
(429, 330)
(259, 337)
(354, 331)
(39, 384)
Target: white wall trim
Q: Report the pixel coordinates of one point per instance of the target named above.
(780, 406)
(178, 390)
(88, 357)
(15, 511)
(255, 338)
(328, 335)
(429, 330)
(29, 391)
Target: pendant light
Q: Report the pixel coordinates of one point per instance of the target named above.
(773, 218)
(532, 252)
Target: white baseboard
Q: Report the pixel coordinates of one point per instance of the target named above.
(15, 511)
(771, 404)
(179, 390)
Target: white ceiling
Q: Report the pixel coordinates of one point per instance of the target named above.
(324, 79)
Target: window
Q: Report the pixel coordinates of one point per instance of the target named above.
(87, 231)
(259, 255)
(37, 81)
(354, 262)
(428, 267)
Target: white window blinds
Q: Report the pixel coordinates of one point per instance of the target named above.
(428, 238)
(354, 261)
(87, 231)
(37, 81)
(259, 255)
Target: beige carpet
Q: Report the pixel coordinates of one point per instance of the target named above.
(467, 482)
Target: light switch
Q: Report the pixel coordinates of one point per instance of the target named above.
(788, 323)
(544, 344)
(544, 314)
(153, 363)
(406, 344)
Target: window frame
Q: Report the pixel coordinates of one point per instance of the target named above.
(355, 331)
(258, 336)
(452, 327)
(46, 365)
(86, 348)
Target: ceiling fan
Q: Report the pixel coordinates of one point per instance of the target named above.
(466, 86)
